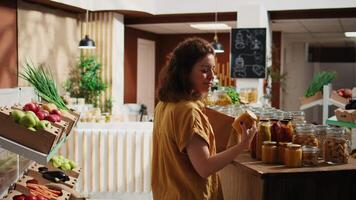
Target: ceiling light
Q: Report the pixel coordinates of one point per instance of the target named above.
(211, 26)
(350, 34)
(86, 42)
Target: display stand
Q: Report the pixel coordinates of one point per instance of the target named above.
(327, 100)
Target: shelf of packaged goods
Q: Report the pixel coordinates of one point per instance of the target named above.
(333, 121)
(28, 152)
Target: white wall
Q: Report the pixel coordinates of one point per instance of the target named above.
(203, 6)
(299, 74)
(118, 62)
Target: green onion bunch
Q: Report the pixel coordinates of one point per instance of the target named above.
(42, 81)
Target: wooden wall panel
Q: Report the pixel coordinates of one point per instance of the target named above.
(8, 44)
(100, 29)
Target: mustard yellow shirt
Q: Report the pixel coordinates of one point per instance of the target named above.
(173, 176)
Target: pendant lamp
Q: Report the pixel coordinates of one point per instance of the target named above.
(86, 42)
(217, 46)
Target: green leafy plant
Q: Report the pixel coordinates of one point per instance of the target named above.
(319, 80)
(235, 96)
(85, 81)
(42, 80)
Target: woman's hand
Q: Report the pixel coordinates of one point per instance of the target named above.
(247, 134)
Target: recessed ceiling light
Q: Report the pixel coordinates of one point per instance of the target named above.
(350, 34)
(211, 26)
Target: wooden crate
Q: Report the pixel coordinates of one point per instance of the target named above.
(21, 186)
(41, 140)
(34, 172)
(345, 115)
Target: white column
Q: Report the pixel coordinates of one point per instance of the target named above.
(118, 62)
(254, 16)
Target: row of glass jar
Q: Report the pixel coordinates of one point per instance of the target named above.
(306, 148)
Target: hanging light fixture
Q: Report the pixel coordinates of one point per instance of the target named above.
(86, 42)
(217, 46)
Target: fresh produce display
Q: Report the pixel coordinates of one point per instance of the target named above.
(321, 79)
(37, 189)
(63, 163)
(234, 96)
(42, 81)
(55, 176)
(34, 117)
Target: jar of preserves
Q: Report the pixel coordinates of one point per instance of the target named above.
(298, 117)
(286, 133)
(282, 146)
(263, 133)
(310, 156)
(305, 135)
(336, 147)
(269, 152)
(320, 132)
(293, 155)
(275, 126)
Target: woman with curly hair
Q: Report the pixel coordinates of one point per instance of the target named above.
(185, 163)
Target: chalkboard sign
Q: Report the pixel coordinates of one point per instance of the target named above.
(248, 53)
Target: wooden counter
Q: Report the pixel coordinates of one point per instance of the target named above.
(248, 179)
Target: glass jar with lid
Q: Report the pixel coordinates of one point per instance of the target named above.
(298, 117)
(293, 155)
(282, 146)
(320, 132)
(269, 152)
(263, 133)
(310, 156)
(305, 135)
(336, 146)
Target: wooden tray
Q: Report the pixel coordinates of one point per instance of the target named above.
(42, 140)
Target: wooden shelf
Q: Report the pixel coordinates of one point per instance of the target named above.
(28, 152)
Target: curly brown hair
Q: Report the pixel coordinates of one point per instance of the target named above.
(174, 79)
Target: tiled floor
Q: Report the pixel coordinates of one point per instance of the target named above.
(124, 196)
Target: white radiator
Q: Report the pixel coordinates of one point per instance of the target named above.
(115, 157)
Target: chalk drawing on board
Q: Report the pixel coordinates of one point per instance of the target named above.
(240, 69)
(258, 69)
(255, 44)
(239, 42)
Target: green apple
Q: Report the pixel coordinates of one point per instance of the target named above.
(32, 129)
(17, 115)
(28, 121)
(66, 166)
(33, 115)
(72, 164)
(40, 125)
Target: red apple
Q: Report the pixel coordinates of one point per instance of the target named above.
(56, 112)
(53, 118)
(40, 197)
(19, 197)
(31, 107)
(42, 114)
(30, 197)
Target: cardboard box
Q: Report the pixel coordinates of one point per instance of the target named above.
(34, 172)
(306, 100)
(41, 140)
(345, 115)
(21, 186)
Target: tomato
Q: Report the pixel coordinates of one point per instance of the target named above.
(19, 197)
(30, 197)
(40, 197)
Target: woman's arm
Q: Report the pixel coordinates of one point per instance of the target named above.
(206, 165)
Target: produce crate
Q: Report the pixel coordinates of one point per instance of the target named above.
(337, 97)
(21, 186)
(34, 172)
(71, 117)
(41, 140)
(306, 100)
(73, 173)
(345, 115)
